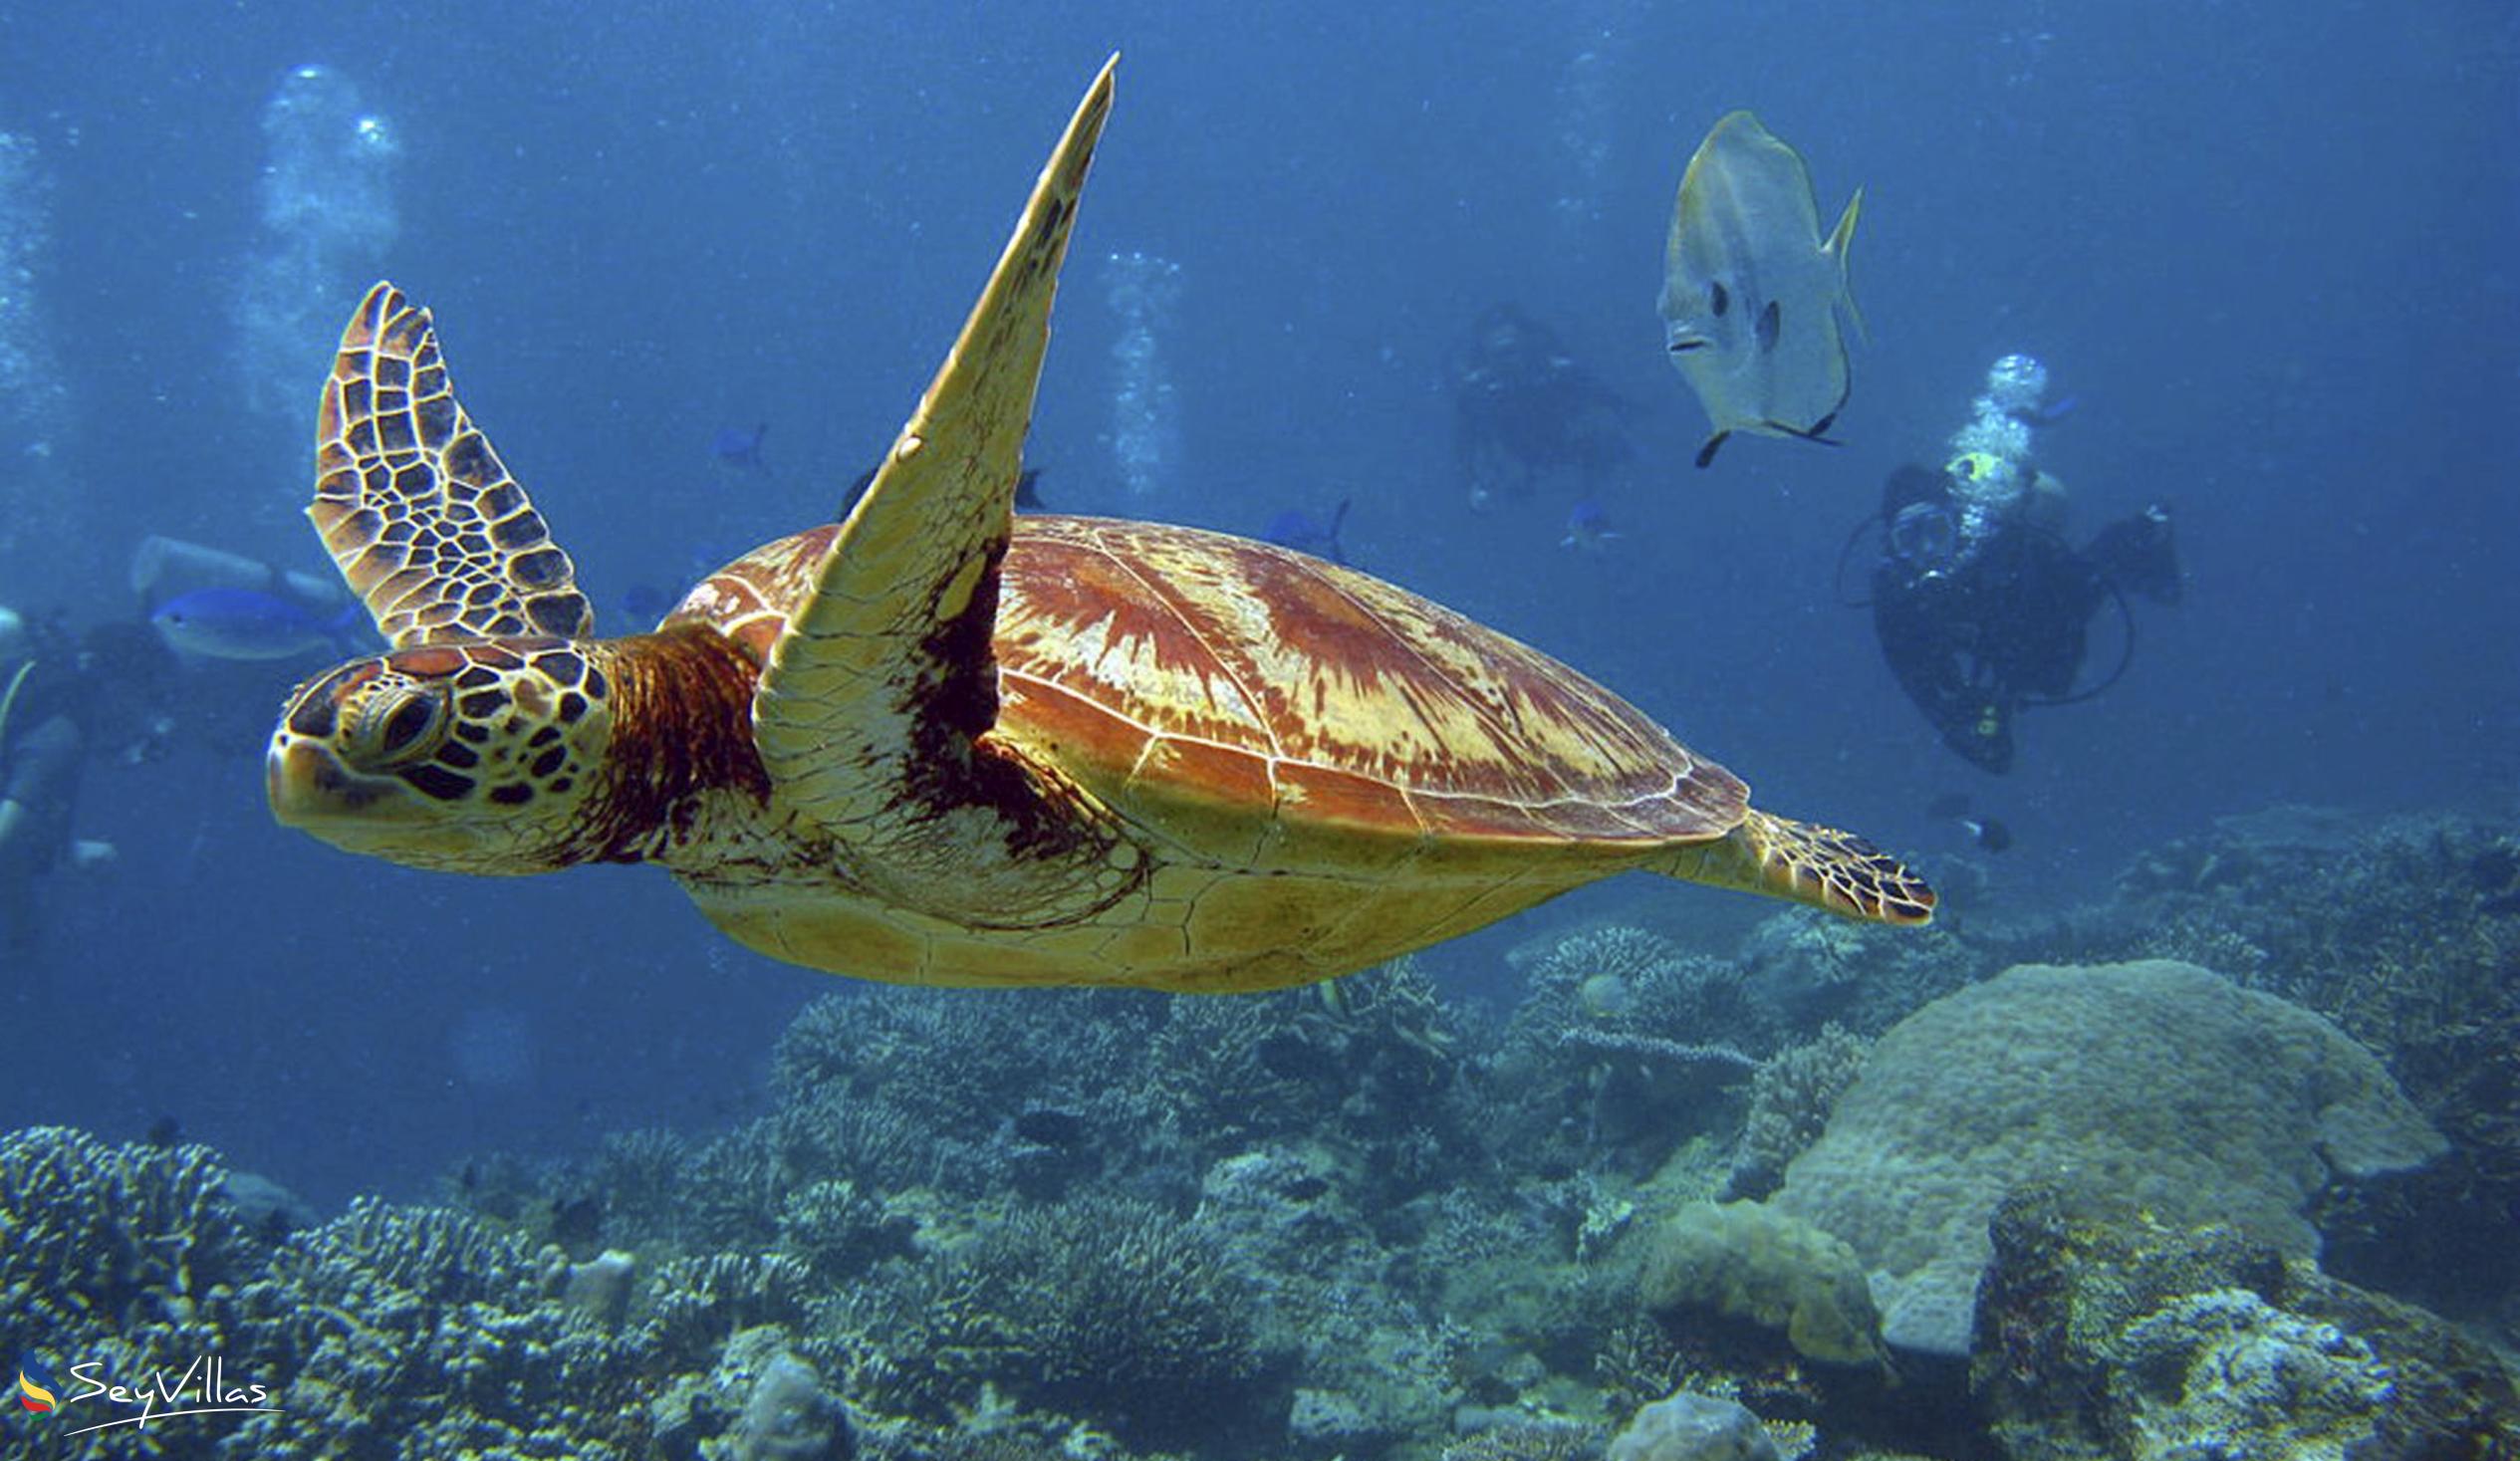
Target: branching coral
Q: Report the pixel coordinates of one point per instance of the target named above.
(125, 1234)
(1791, 1097)
(390, 1332)
(961, 1060)
(1619, 1051)
(1099, 1307)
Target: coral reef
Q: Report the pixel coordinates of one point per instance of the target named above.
(1693, 1427)
(1791, 1095)
(2156, 1085)
(1802, 970)
(1617, 1052)
(1371, 1223)
(1100, 1307)
(1744, 1261)
(94, 1235)
(1522, 1441)
(2139, 1339)
(2406, 931)
(387, 1331)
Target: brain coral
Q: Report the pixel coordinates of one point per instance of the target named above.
(2157, 1086)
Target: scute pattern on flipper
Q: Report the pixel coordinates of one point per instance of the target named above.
(428, 527)
(1846, 874)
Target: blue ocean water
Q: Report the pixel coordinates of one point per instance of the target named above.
(2266, 248)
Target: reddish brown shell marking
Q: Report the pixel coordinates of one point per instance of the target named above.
(1257, 679)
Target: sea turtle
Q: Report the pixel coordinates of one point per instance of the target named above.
(940, 743)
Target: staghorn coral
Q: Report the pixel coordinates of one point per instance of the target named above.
(641, 1181)
(1656, 1048)
(1589, 978)
(697, 1303)
(900, 1086)
(736, 1193)
(1791, 1097)
(1617, 1052)
(1803, 970)
(1243, 1069)
(731, 1198)
(962, 1061)
(126, 1235)
(839, 1231)
(1101, 1307)
(876, 1145)
(1636, 1363)
(1367, 1062)
(1524, 1441)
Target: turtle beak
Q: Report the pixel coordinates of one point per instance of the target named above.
(309, 787)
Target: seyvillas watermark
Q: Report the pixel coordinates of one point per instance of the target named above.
(203, 1388)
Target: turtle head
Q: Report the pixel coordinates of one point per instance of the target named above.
(466, 758)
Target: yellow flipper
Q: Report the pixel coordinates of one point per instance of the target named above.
(885, 676)
(1808, 863)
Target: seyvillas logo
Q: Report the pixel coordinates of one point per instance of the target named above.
(34, 1386)
(199, 1388)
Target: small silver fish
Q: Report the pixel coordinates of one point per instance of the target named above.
(1750, 289)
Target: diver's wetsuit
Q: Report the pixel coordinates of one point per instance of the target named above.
(39, 754)
(1522, 407)
(1973, 641)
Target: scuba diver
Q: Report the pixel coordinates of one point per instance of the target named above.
(1981, 607)
(1522, 408)
(120, 692)
(44, 745)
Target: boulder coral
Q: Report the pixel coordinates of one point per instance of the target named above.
(2154, 1086)
(1752, 1262)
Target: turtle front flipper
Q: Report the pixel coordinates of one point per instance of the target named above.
(874, 699)
(426, 525)
(1808, 863)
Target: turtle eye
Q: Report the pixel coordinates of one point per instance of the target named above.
(404, 728)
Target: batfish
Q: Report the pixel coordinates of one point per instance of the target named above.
(1750, 291)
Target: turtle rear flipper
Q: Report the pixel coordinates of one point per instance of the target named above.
(426, 525)
(1808, 863)
(874, 699)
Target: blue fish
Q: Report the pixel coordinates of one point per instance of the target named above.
(1587, 528)
(247, 623)
(741, 449)
(1301, 531)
